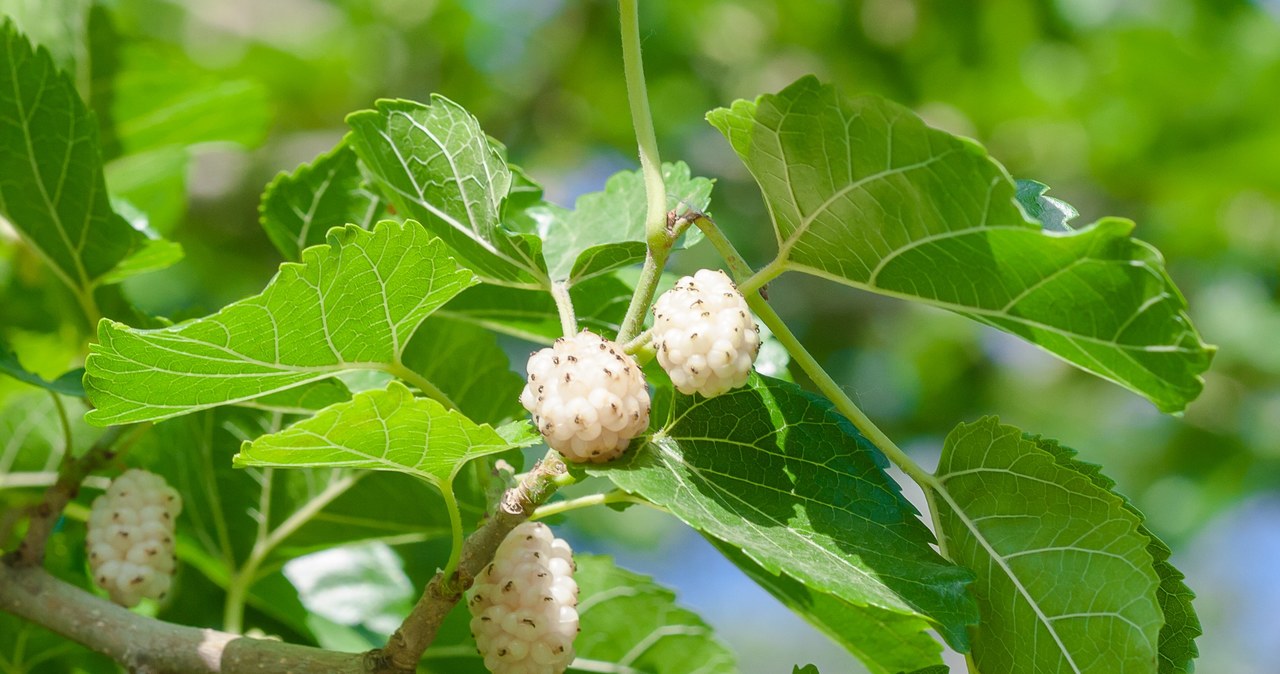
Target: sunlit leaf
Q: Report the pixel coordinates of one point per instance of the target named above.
(353, 304)
(436, 165)
(1065, 576)
(778, 473)
(863, 193)
(1181, 625)
(386, 429)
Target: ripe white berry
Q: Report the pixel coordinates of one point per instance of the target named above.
(587, 396)
(704, 334)
(130, 537)
(522, 605)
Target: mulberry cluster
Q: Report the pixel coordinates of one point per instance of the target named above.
(587, 396)
(522, 605)
(704, 335)
(130, 539)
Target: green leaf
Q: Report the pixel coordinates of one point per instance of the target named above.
(778, 473)
(68, 384)
(436, 165)
(298, 208)
(472, 370)
(353, 304)
(1065, 578)
(386, 430)
(863, 193)
(1052, 214)
(885, 641)
(1181, 625)
(160, 98)
(51, 185)
(606, 230)
(807, 669)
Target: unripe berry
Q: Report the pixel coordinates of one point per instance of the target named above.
(522, 605)
(130, 538)
(587, 396)
(704, 335)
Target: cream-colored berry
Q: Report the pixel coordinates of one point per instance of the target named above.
(523, 613)
(130, 539)
(588, 397)
(704, 334)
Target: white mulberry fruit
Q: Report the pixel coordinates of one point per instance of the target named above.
(587, 396)
(130, 539)
(522, 605)
(704, 334)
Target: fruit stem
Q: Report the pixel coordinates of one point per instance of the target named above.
(828, 386)
(615, 496)
(642, 120)
(564, 305)
(455, 522)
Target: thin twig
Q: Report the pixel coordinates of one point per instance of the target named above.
(45, 515)
(405, 648)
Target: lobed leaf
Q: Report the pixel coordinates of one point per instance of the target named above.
(778, 473)
(1065, 577)
(386, 429)
(299, 208)
(863, 193)
(435, 164)
(351, 305)
(51, 184)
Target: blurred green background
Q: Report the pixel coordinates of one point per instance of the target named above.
(1163, 111)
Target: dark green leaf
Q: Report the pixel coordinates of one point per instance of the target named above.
(298, 208)
(386, 430)
(778, 473)
(351, 305)
(435, 164)
(51, 184)
(1065, 579)
(863, 193)
(885, 641)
